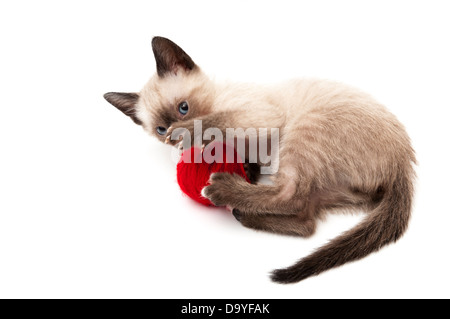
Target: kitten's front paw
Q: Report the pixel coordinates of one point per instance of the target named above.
(180, 131)
(224, 189)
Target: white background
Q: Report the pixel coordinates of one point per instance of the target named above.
(89, 205)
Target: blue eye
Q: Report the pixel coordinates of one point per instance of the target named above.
(161, 130)
(183, 108)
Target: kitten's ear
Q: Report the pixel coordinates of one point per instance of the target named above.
(170, 57)
(126, 102)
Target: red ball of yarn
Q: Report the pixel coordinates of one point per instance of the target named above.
(195, 167)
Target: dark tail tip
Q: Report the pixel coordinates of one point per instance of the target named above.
(288, 275)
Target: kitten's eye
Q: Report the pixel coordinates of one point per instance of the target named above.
(161, 130)
(183, 108)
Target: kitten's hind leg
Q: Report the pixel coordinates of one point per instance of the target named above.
(303, 223)
(291, 225)
(232, 190)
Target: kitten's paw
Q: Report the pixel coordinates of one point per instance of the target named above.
(180, 131)
(175, 134)
(246, 220)
(224, 189)
(237, 214)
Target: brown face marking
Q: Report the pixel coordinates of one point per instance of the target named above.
(167, 114)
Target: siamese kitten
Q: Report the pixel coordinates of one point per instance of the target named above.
(338, 148)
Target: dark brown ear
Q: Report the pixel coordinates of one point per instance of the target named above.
(126, 102)
(170, 57)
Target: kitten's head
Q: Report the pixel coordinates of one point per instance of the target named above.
(177, 92)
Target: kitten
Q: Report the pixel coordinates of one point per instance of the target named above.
(338, 148)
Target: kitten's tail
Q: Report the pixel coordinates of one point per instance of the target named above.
(384, 225)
